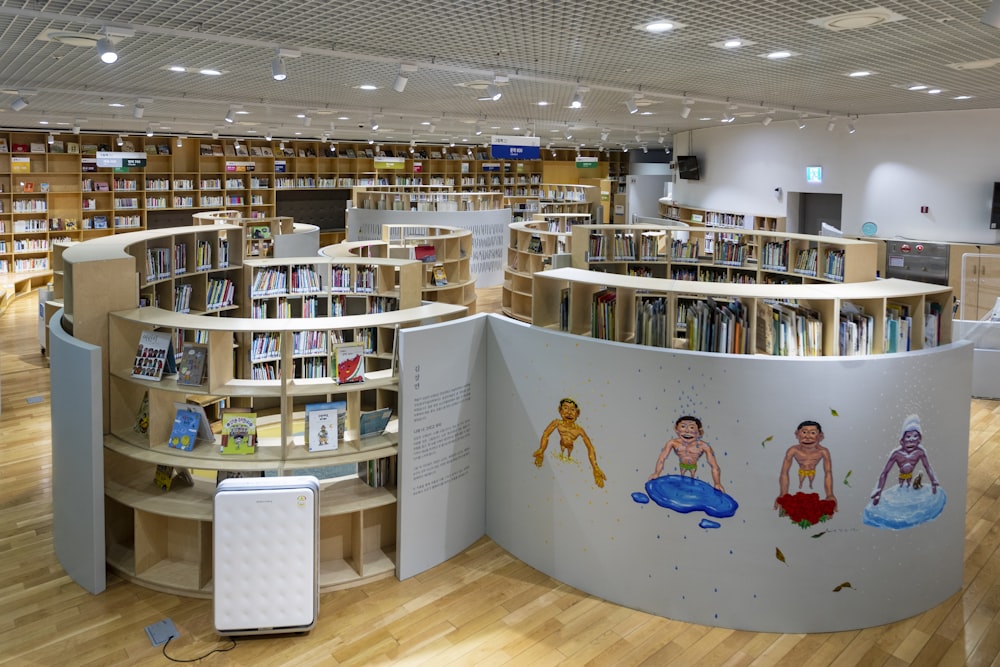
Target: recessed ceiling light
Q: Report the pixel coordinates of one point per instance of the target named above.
(917, 86)
(43, 122)
(934, 91)
(241, 112)
(658, 26)
(210, 72)
(543, 103)
(177, 68)
(860, 73)
(778, 55)
(962, 97)
(116, 104)
(647, 113)
(732, 43)
(367, 86)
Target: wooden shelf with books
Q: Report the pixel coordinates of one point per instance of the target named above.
(444, 256)
(148, 521)
(872, 317)
(84, 201)
(732, 256)
(530, 249)
(258, 232)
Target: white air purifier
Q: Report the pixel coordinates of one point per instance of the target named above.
(266, 555)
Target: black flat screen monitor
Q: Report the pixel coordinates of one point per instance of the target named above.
(687, 167)
(995, 212)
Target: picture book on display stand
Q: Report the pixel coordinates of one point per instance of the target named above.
(373, 422)
(191, 367)
(350, 363)
(154, 357)
(325, 425)
(184, 431)
(239, 432)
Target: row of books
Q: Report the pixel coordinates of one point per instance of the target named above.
(651, 326)
(221, 293)
(718, 327)
(731, 253)
(788, 330)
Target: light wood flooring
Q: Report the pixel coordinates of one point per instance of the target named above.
(483, 607)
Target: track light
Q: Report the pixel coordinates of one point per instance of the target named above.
(106, 50)
(267, 135)
(850, 128)
(307, 120)
(149, 131)
(229, 115)
(686, 109)
(638, 137)
(18, 104)
(631, 106)
(767, 120)
(52, 138)
(138, 110)
(215, 134)
(180, 142)
(399, 85)
(281, 145)
(375, 125)
(493, 92)
(831, 125)
(76, 127)
(802, 122)
(577, 101)
(119, 141)
(604, 135)
(278, 71)
(479, 129)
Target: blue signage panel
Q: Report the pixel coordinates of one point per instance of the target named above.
(515, 148)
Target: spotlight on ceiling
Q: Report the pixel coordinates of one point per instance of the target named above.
(139, 108)
(18, 104)
(106, 48)
(229, 116)
(52, 138)
(180, 142)
(119, 141)
(767, 120)
(802, 122)
(149, 130)
(402, 78)
(686, 109)
(850, 128)
(831, 126)
(278, 70)
(307, 120)
(631, 106)
(577, 101)
(493, 92)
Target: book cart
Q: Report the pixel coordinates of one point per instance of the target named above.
(162, 540)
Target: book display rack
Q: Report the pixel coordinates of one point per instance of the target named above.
(163, 541)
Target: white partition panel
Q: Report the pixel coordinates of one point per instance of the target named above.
(755, 569)
(77, 457)
(489, 234)
(442, 442)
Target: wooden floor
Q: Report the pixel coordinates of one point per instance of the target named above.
(483, 607)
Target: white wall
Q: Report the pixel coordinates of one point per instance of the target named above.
(893, 165)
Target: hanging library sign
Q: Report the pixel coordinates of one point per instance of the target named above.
(515, 148)
(113, 159)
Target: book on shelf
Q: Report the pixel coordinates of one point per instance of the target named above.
(325, 424)
(425, 253)
(162, 149)
(57, 146)
(239, 431)
(266, 151)
(72, 147)
(184, 432)
(163, 477)
(439, 277)
(535, 243)
(378, 473)
(191, 367)
(154, 357)
(373, 422)
(37, 147)
(141, 423)
(260, 231)
(3, 146)
(100, 222)
(204, 431)
(349, 360)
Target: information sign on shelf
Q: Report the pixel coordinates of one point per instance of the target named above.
(390, 162)
(113, 159)
(239, 167)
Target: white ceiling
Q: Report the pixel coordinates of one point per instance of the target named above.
(546, 48)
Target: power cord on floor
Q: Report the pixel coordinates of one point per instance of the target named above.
(217, 650)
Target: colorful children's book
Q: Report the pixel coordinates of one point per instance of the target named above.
(141, 425)
(325, 425)
(373, 422)
(155, 356)
(439, 277)
(350, 363)
(239, 431)
(204, 428)
(191, 366)
(185, 430)
(425, 253)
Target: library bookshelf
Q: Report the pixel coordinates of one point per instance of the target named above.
(820, 319)
(56, 191)
(531, 247)
(735, 255)
(259, 233)
(163, 540)
(450, 248)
